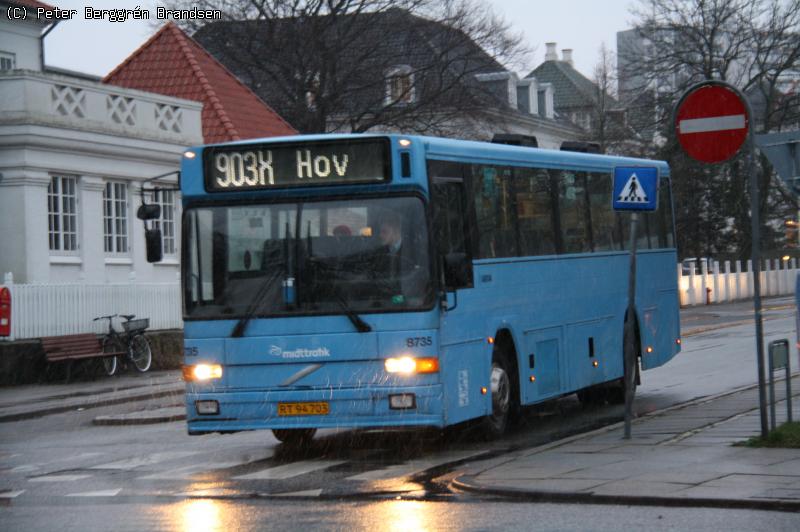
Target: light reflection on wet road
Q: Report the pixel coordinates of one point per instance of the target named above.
(209, 515)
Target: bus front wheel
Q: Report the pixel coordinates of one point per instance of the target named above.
(294, 436)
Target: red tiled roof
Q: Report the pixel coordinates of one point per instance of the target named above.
(173, 64)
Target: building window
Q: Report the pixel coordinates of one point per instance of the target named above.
(313, 91)
(399, 85)
(166, 199)
(7, 61)
(62, 213)
(115, 218)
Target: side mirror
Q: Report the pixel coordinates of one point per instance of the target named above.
(148, 212)
(152, 238)
(456, 270)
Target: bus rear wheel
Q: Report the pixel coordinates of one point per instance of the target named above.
(503, 400)
(616, 392)
(299, 437)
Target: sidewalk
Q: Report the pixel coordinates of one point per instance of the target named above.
(701, 318)
(35, 400)
(681, 456)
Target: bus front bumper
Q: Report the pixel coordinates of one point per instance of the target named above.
(346, 408)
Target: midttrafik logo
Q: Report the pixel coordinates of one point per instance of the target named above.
(300, 352)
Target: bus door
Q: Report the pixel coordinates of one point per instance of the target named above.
(462, 348)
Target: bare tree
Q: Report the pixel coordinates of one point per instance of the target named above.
(752, 44)
(355, 65)
(775, 47)
(608, 124)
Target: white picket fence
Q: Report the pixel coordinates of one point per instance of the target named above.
(721, 283)
(54, 309)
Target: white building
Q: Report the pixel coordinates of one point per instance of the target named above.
(73, 154)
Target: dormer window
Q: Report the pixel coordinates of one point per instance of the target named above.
(399, 85)
(7, 61)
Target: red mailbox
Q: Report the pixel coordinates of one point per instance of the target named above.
(5, 312)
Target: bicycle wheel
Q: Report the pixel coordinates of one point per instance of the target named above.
(110, 364)
(140, 353)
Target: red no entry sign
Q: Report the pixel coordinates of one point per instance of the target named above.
(711, 123)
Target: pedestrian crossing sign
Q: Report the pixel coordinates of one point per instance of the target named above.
(635, 188)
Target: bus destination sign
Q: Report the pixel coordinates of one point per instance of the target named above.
(280, 165)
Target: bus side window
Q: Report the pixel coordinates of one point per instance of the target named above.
(605, 235)
(450, 232)
(495, 214)
(534, 212)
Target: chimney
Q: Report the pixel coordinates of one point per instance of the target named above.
(551, 54)
(567, 56)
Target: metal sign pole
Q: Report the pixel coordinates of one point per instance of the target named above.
(704, 143)
(635, 189)
(788, 388)
(756, 261)
(630, 337)
(771, 381)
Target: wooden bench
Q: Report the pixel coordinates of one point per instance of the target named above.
(72, 347)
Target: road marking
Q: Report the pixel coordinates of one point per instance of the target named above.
(210, 492)
(58, 478)
(103, 493)
(139, 461)
(307, 493)
(25, 468)
(413, 467)
(11, 494)
(81, 456)
(294, 469)
(182, 473)
(28, 468)
(714, 123)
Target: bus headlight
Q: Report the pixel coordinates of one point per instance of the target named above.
(202, 372)
(411, 365)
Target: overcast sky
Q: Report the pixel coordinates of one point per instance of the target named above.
(96, 47)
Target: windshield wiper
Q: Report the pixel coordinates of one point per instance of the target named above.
(360, 325)
(241, 325)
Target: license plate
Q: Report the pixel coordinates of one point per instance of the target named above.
(319, 408)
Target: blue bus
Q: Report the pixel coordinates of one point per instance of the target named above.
(407, 281)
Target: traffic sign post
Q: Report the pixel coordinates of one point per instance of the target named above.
(712, 121)
(635, 189)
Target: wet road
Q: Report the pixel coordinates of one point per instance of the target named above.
(61, 471)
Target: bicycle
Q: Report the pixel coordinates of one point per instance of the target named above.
(138, 347)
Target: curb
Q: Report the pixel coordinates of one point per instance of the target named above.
(462, 483)
(146, 417)
(700, 330)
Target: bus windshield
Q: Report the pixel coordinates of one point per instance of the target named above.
(307, 257)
